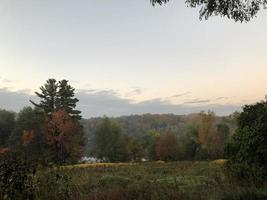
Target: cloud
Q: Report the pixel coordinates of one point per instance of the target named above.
(7, 81)
(197, 101)
(180, 95)
(221, 98)
(134, 92)
(94, 103)
(109, 103)
(15, 101)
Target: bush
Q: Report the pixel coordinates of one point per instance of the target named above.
(20, 181)
(16, 179)
(249, 194)
(244, 174)
(51, 184)
(247, 150)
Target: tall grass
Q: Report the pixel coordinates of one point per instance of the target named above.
(156, 181)
(194, 180)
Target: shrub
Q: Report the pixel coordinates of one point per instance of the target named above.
(249, 194)
(15, 179)
(51, 184)
(247, 150)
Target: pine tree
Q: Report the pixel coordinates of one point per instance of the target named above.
(57, 95)
(48, 96)
(66, 99)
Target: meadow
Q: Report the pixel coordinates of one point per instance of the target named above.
(151, 180)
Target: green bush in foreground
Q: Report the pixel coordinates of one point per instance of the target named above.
(19, 180)
(247, 151)
(15, 179)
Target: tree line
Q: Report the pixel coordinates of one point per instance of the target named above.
(244, 148)
(203, 138)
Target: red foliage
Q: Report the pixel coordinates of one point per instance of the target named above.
(27, 137)
(63, 132)
(5, 150)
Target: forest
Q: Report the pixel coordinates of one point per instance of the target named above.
(144, 136)
(45, 151)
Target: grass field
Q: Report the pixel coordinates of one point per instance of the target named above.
(157, 180)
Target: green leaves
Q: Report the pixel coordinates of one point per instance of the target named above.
(160, 2)
(108, 142)
(238, 10)
(249, 144)
(7, 123)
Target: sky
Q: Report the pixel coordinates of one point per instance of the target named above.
(127, 57)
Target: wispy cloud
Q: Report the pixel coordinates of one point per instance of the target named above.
(134, 92)
(111, 104)
(180, 95)
(197, 101)
(221, 98)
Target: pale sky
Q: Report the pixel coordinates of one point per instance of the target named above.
(132, 52)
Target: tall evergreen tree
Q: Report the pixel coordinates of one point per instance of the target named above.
(56, 96)
(48, 96)
(66, 99)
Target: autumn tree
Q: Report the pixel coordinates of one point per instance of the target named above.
(212, 137)
(208, 137)
(207, 129)
(56, 96)
(64, 137)
(238, 10)
(167, 147)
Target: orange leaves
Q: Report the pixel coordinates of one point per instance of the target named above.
(63, 133)
(5, 150)
(60, 127)
(27, 137)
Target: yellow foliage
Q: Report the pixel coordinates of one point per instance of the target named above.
(219, 161)
(96, 165)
